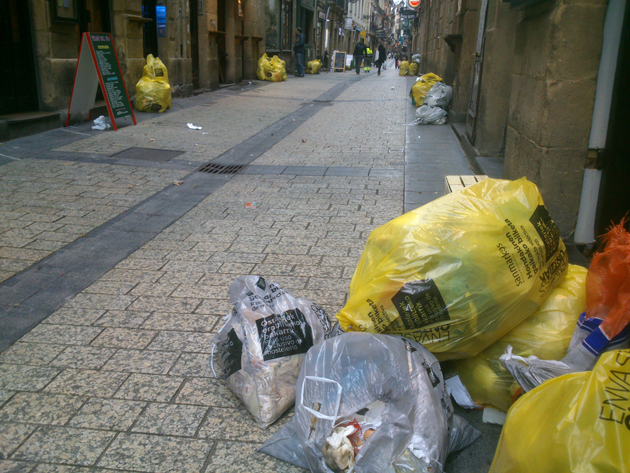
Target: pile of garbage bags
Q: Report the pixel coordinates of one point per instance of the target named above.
(404, 68)
(153, 90)
(273, 70)
(313, 67)
(477, 280)
(435, 97)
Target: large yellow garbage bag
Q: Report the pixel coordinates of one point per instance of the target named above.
(421, 88)
(272, 70)
(413, 69)
(545, 334)
(458, 273)
(403, 68)
(578, 422)
(313, 67)
(153, 91)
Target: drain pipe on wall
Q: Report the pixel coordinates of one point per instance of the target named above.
(585, 228)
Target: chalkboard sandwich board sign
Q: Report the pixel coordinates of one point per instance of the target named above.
(98, 64)
(339, 61)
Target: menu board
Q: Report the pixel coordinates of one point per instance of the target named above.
(339, 61)
(98, 64)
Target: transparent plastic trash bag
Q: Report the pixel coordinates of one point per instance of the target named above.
(408, 408)
(262, 344)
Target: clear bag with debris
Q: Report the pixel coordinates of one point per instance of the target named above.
(439, 96)
(370, 403)
(428, 115)
(262, 344)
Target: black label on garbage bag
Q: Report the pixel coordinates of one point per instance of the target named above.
(420, 303)
(547, 229)
(284, 335)
(261, 283)
(231, 354)
(435, 380)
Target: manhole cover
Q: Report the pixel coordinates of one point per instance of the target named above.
(212, 168)
(147, 154)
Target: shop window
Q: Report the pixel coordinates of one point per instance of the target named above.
(272, 25)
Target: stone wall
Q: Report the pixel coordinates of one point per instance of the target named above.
(557, 48)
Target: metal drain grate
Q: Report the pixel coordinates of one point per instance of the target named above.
(322, 101)
(212, 168)
(147, 154)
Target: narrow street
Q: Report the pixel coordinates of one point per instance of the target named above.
(116, 254)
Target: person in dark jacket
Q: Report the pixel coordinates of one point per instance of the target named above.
(359, 53)
(382, 57)
(298, 47)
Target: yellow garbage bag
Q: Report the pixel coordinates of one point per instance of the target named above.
(545, 334)
(153, 90)
(313, 67)
(404, 68)
(272, 70)
(578, 422)
(413, 69)
(459, 273)
(421, 88)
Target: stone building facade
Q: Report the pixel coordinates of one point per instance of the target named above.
(527, 76)
(203, 43)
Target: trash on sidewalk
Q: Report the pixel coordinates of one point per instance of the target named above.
(262, 344)
(493, 416)
(250, 205)
(458, 391)
(193, 127)
(459, 273)
(370, 403)
(545, 334)
(428, 115)
(577, 422)
(421, 88)
(313, 67)
(439, 95)
(273, 70)
(100, 124)
(153, 90)
(604, 326)
(404, 68)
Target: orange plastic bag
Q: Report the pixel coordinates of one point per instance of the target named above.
(608, 282)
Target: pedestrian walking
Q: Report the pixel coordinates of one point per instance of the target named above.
(380, 57)
(367, 60)
(298, 48)
(359, 52)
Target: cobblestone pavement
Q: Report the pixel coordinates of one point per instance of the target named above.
(116, 377)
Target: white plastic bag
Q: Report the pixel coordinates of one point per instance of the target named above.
(414, 425)
(262, 344)
(439, 96)
(428, 115)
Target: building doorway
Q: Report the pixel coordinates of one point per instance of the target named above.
(149, 29)
(614, 199)
(94, 16)
(194, 40)
(221, 46)
(18, 86)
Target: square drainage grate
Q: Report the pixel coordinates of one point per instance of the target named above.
(212, 168)
(147, 154)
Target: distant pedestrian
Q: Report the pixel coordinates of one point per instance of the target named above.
(367, 60)
(298, 47)
(380, 57)
(359, 52)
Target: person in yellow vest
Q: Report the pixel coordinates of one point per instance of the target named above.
(367, 60)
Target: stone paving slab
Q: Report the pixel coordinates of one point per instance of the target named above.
(117, 377)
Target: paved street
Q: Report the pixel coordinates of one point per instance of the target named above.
(116, 256)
